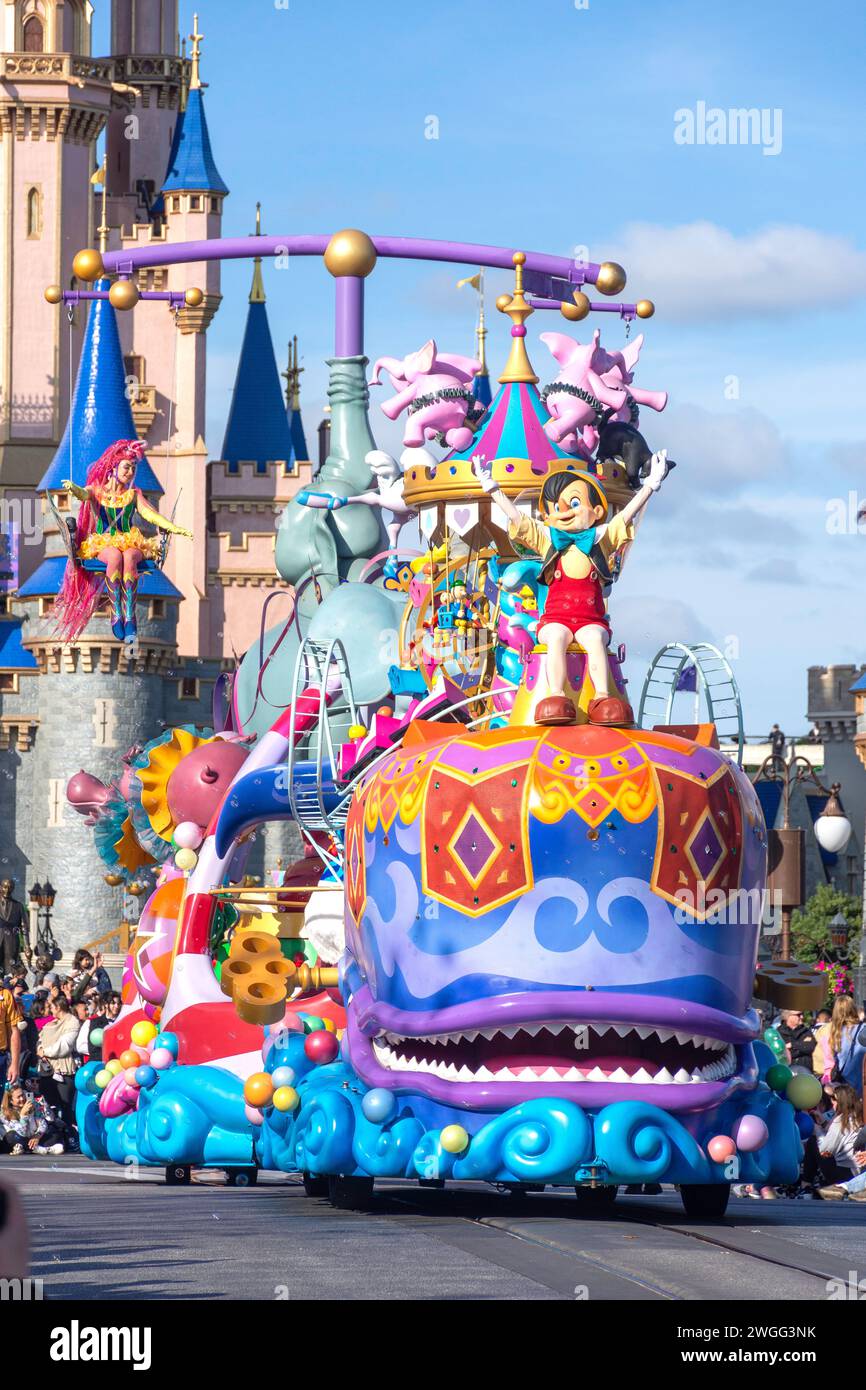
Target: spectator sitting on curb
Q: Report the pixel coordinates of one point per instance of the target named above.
(24, 1126)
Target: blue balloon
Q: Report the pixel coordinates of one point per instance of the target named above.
(804, 1122)
(378, 1105)
(169, 1041)
(146, 1076)
(283, 1076)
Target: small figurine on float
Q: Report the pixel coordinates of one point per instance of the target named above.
(388, 495)
(105, 532)
(573, 523)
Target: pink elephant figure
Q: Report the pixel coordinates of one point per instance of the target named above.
(435, 389)
(592, 387)
(88, 795)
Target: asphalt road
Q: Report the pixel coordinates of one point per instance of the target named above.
(97, 1234)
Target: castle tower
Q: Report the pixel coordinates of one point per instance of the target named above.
(263, 464)
(292, 377)
(146, 115)
(54, 102)
(94, 699)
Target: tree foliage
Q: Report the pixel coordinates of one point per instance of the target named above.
(810, 924)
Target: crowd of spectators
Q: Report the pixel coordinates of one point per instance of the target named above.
(49, 1027)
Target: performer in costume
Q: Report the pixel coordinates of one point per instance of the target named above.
(105, 531)
(574, 537)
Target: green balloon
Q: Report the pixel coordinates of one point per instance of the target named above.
(774, 1041)
(778, 1077)
(96, 1035)
(803, 1091)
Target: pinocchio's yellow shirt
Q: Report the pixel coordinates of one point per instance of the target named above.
(533, 535)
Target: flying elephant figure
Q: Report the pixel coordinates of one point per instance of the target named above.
(593, 387)
(435, 389)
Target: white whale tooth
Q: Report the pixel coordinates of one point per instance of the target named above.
(596, 1075)
(505, 1075)
(696, 1075)
(464, 1074)
(681, 1076)
(532, 1030)
(509, 1032)
(483, 1074)
(641, 1075)
(551, 1075)
(684, 1039)
(527, 1075)
(619, 1075)
(554, 1029)
(622, 1029)
(663, 1077)
(471, 1036)
(573, 1074)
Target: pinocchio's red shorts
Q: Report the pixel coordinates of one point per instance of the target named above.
(574, 603)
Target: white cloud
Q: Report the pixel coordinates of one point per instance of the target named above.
(700, 271)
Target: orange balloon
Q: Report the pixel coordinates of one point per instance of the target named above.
(129, 1059)
(258, 1089)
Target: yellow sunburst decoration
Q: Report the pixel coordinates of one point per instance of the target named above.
(129, 852)
(154, 777)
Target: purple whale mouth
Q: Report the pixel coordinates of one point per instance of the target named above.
(677, 1055)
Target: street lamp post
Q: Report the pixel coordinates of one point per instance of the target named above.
(786, 846)
(42, 896)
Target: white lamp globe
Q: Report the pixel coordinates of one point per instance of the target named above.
(833, 833)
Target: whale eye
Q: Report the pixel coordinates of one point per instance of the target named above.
(209, 774)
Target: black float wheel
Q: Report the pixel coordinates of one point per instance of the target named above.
(178, 1174)
(351, 1194)
(242, 1177)
(705, 1201)
(593, 1201)
(314, 1186)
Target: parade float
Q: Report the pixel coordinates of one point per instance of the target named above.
(520, 947)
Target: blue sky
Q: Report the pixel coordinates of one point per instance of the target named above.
(556, 130)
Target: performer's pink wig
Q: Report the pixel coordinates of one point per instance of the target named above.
(80, 591)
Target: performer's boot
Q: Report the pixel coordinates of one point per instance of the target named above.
(114, 589)
(130, 625)
(612, 711)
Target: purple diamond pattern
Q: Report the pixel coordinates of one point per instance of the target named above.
(473, 847)
(706, 850)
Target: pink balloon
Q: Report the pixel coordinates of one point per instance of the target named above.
(160, 1058)
(129, 1078)
(254, 1116)
(721, 1148)
(751, 1133)
(188, 835)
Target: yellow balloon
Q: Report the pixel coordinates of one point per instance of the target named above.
(143, 1032)
(330, 1025)
(102, 1078)
(286, 1098)
(113, 1066)
(186, 859)
(454, 1139)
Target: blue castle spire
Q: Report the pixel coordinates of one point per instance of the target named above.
(258, 427)
(100, 412)
(191, 163)
(292, 377)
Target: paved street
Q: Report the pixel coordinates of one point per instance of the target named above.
(97, 1234)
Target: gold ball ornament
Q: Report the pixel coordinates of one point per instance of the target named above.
(193, 297)
(123, 294)
(113, 880)
(454, 1139)
(502, 302)
(578, 310)
(186, 859)
(644, 308)
(88, 265)
(53, 294)
(611, 278)
(350, 252)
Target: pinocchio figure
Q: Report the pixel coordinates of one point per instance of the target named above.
(573, 522)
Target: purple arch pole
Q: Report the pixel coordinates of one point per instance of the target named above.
(349, 330)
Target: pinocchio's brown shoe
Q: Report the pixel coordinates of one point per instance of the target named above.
(555, 709)
(611, 710)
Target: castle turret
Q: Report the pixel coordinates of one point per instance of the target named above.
(292, 378)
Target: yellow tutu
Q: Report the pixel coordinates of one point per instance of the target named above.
(121, 540)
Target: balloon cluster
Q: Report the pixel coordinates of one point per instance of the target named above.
(276, 1090)
(136, 1069)
(800, 1087)
(187, 837)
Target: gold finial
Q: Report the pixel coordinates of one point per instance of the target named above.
(292, 377)
(257, 291)
(100, 180)
(195, 39)
(518, 367)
